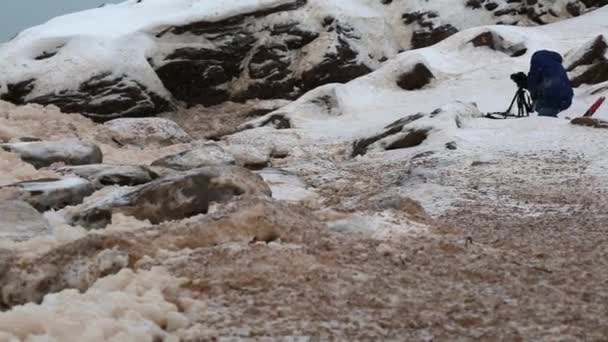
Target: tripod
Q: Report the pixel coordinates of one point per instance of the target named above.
(524, 106)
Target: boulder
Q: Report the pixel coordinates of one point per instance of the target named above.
(496, 42)
(416, 78)
(19, 221)
(47, 194)
(44, 153)
(588, 64)
(199, 156)
(143, 132)
(172, 197)
(109, 174)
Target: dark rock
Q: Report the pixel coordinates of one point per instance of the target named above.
(360, 146)
(451, 145)
(424, 38)
(589, 63)
(45, 153)
(589, 122)
(416, 78)
(173, 197)
(589, 53)
(47, 194)
(146, 131)
(574, 8)
(410, 138)
(19, 221)
(475, 4)
(107, 174)
(595, 74)
(199, 156)
(490, 6)
(497, 43)
(106, 96)
(18, 91)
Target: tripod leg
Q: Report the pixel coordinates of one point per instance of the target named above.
(512, 102)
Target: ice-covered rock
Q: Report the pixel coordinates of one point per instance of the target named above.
(111, 174)
(413, 130)
(44, 153)
(172, 197)
(20, 221)
(142, 132)
(199, 156)
(46, 194)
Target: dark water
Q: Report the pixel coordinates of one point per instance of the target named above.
(17, 15)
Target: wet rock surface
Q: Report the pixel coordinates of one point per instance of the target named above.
(173, 197)
(45, 153)
(111, 174)
(47, 194)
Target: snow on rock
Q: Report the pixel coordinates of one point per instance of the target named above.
(47, 194)
(210, 52)
(111, 174)
(173, 197)
(128, 306)
(141, 132)
(20, 221)
(45, 153)
(588, 63)
(413, 130)
(206, 154)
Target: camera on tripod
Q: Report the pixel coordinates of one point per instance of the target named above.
(522, 98)
(521, 79)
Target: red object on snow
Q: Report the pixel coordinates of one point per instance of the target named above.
(595, 106)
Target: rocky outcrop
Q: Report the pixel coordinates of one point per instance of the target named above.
(198, 156)
(102, 97)
(143, 132)
(19, 221)
(44, 153)
(513, 12)
(47, 194)
(172, 197)
(109, 174)
(588, 64)
(261, 59)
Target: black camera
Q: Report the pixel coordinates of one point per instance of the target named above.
(521, 79)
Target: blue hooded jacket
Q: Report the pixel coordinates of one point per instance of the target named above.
(548, 81)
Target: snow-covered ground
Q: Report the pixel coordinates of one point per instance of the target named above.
(481, 230)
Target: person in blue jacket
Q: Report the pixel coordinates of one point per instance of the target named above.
(548, 83)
